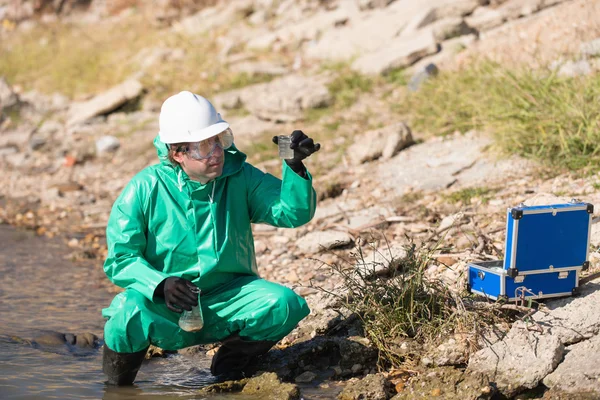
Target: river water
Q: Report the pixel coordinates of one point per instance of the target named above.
(42, 290)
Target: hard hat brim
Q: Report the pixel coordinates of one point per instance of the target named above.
(195, 136)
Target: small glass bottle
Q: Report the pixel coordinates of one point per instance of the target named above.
(192, 321)
(285, 151)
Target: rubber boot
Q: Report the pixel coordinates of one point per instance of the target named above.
(121, 368)
(235, 355)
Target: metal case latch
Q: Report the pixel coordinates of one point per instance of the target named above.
(519, 279)
(563, 274)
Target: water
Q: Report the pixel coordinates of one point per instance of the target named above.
(42, 290)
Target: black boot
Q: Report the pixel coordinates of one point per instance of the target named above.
(235, 354)
(121, 368)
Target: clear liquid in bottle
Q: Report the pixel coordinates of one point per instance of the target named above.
(192, 321)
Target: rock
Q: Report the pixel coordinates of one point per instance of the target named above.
(293, 34)
(575, 68)
(591, 49)
(269, 387)
(107, 144)
(382, 260)
(371, 387)
(322, 352)
(16, 139)
(401, 52)
(314, 242)
(350, 40)
(284, 99)
(544, 199)
(447, 383)
(450, 220)
(8, 98)
(259, 68)
(513, 9)
(484, 19)
(579, 372)
(419, 20)
(211, 18)
(457, 8)
(104, 102)
(385, 142)
(595, 236)
(448, 49)
(370, 4)
(518, 362)
(306, 377)
(573, 319)
(451, 352)
(449, 28)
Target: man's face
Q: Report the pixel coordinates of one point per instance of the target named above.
(205, 169)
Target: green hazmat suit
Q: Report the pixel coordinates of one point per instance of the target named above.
(164, 224)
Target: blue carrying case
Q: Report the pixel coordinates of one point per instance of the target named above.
(546, 248)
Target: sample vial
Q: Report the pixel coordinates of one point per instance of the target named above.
(284, 147)
(192, 321)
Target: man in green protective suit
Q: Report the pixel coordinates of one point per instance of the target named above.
(184, 224)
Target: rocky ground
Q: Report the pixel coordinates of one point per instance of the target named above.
(64, 163)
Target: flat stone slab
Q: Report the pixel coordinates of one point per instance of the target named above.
(518, 362)
(580, 370)
(436, 164)
(572, 319)
(104, 102)
(314, 242)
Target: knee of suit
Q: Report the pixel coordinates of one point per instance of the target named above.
(285, 309)
(124, 332)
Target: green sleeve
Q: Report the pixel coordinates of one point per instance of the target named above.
(125, 265)
(288, 202)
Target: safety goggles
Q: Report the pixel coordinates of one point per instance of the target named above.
(206, 149)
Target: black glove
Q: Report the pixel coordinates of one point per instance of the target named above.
(177, 293)
(303, 147)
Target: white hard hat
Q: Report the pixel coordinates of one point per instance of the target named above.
(188, 117)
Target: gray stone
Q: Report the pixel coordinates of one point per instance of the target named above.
(591, 49)
(17, 139)
(448, 49)
(484, 19)
(457, 8)
(282, 100)
(371, 387)
(384, 142)
(8, 97)
(595, 236)
(259, 68)
(435, 164)
(370, 4)
(573, 319)
(308, 28)
(104, 102)
(424, 17)
(306, 377)
(107, 144)
(579, 372)
(314, 242)
(401, 52)
(575, 68)
(451, 352)
(382, 25)
(381, 260)
(514, 9)
(449, 28)
(268, 386)
(211, 18)
(519, 362)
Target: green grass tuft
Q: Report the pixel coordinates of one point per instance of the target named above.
(347, 87)
(465, 196)
(535, 114)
